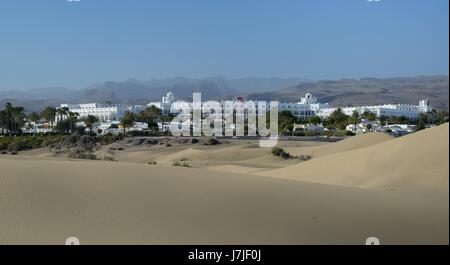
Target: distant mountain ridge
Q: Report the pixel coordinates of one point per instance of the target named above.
(368, 91)
(342, 92)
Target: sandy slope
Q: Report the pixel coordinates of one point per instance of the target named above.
(348, 144)
(46, 201)
(414, 162)
(369, 185)
(237, 153)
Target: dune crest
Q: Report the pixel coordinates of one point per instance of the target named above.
(414, 162)
(348, 144)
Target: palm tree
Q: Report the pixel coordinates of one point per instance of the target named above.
(18, 118)
(13, 118)
(9, 109)
(127, 120)
(49, 114)
(33, 116)
(355, 118)
(150, 115)
(90, 120)
(421, 122)
(62, 112)
(369, 116)
(383, 120)
(72, 117)
(3, 121)
(338, 119)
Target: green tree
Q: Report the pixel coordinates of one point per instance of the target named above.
(49, 114)
(13, 118)
(72, 119)
(62, 112)
(369, 116)
(421, 122)
(355, 118)
(383, 120)
(127, 120)
(286, 122)
(90, 120)
(338, 119)
(33, 116)
(442, 117)
(3, 121)
(150, 116)
(314, 120)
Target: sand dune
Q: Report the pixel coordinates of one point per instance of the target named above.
(348, 144)
(45, 201)
(414, 162)
(369, 185)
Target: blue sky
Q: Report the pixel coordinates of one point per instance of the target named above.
(61, 43)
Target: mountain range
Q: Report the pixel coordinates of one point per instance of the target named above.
(344, 92)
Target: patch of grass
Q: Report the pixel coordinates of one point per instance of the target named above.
(212, 141)
(109, 157)
(180, 164)
(304, 157)
(79, 154)
(277, 151)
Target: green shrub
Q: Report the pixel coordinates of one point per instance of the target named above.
(212, 141)
(79, 154)
(277, 151)
(298, 133)
(304, 157)
(179, 164)
(350, 133)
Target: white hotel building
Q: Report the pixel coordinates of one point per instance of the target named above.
(307, 106)
(165, 103)
(411, 112)
(104, 112)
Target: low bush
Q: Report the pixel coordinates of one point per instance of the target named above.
(109, 158)
(277, 151)
(79, 154)
(304, 157)
(180, 164)
(212, 141)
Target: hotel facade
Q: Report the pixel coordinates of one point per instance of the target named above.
(308, 106)
(104, 112)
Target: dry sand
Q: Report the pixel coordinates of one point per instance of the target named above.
(370, 185)
(414, 162)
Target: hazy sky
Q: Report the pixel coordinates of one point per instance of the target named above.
(75, 44)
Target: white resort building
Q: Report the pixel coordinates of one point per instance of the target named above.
(165, 103)
(103, 111)
(308, 106)
(411, 112)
